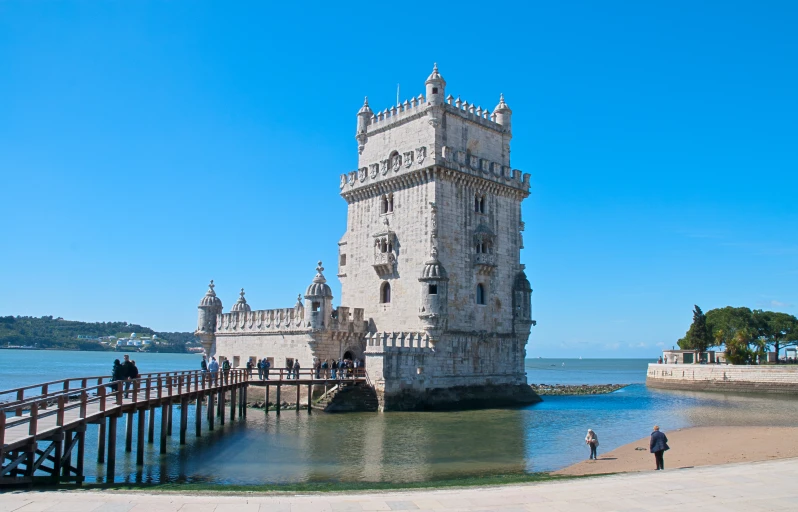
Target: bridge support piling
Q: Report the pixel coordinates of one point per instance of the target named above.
(278, 399)
(221, 407)
(244, 401)
(198, 416)
(151, 425)
(66, 458)
(310, 397)
(266, 397)
(111, 468)
(183, 419)
(81, 433)
(297, 396)
(142, 426)
(129, 432)
(210, 410)
(100, 442)
(164, 421)
(58, 453)
(169, 412)
(233, 404)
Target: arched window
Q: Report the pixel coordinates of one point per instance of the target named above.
(476, 204)
(384, 204)
(480, 294)
(385, 293)
(390, 203)
(479, 203)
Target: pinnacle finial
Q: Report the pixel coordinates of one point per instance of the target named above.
(242, 294)
(211, 286)
(366, 102)
(319, 269)
(435, 67)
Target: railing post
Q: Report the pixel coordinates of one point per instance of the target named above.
(147, 389)
(160, 390)
(44, 393)
(59, 417)
(20, 398)
(180, 385)
(2, 435)
(169, 386)
(136, 391)
(34, 419)
(119, 395)
(101, 394)
(84, 383)
(83, 400)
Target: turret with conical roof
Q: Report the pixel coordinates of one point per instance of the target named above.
(434, 280)
(241, 304)
(209, 307)
(503, 114)
(363, 118)
(436, 87)
(318, 300)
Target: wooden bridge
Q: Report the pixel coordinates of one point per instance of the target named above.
(43, 426)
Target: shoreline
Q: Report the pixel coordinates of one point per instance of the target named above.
(693, 447)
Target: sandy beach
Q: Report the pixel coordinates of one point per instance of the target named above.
(698, 446)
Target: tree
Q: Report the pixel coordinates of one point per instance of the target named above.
(698, 336)
(776, 329)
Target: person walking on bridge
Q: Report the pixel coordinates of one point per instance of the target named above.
(213, 368)
(266, 366)
(260, 369)
(226, 370)
(296, 369)
(116, 374)
(658, 446)
(127, 371)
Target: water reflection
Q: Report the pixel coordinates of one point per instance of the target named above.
(405, 447)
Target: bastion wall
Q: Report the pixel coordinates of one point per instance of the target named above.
(733, 378)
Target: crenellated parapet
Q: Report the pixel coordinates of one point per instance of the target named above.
(343, 319)
(405, 342)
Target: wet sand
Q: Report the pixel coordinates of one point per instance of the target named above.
(697, 446)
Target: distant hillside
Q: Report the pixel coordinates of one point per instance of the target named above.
(49, 332)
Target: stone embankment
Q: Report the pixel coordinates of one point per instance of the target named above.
(579, 389)
(780, 379)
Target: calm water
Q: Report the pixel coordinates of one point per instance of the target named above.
(297, 447)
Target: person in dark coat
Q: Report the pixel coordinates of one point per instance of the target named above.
(659, 443)
(116, 374)
(127, 372)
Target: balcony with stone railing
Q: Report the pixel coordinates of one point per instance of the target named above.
(485, 263)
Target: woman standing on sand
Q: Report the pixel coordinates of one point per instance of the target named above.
(591, 439)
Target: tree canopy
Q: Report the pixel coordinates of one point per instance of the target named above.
(744, 334)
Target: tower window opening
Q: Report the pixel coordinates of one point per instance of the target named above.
(343, 260)
(390, 204)
(385, 293)
(384, 204)
(315, 306)
(480, 294)
(433, 289)
(479, 204)
(434, 90)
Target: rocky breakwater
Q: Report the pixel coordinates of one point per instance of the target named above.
(579, 389)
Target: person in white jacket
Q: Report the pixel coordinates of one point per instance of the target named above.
(214, 369)
(591, 439)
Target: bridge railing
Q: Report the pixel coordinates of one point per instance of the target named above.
(112, 394)
(71, 386)
(284, 374)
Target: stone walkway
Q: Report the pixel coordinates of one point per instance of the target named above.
(746, 487)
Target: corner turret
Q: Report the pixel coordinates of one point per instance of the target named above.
(209, 307)
(433, 312)
(363, 118)
(241, 304)
(522, 304)
(503, 115)
(318, 301)
(436, 88)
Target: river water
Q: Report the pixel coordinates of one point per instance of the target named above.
(403, 447)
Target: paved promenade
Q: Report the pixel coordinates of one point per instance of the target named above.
(746, 487)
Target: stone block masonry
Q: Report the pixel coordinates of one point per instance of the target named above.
(781, 379)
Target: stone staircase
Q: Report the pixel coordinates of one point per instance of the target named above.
(348, 397)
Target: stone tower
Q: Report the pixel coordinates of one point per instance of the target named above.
(432, 252)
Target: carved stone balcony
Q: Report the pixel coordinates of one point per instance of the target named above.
(384, 263)
(485, 263)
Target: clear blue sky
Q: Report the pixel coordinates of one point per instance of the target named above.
(146, 147)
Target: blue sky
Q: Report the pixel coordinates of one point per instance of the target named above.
(146, 147)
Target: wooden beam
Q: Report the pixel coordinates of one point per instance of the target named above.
(129, 431)
(183, 418)
(141, 427)
(101, 442)
(109, 472)
(198, 416)
(164, 421)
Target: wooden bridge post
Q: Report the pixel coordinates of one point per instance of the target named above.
(140, 436)
(81, 433)
(58, 455)
(164, 421)
(198, 416)
(211, 412)
(233, 403)
(279, 385)
(244, 401)
(109, 472)
(169, 383)
(310, 395)
(298, 387)
(183, 419)
(129, 431)
(101, 429)
(266, 397)
(221, 406)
